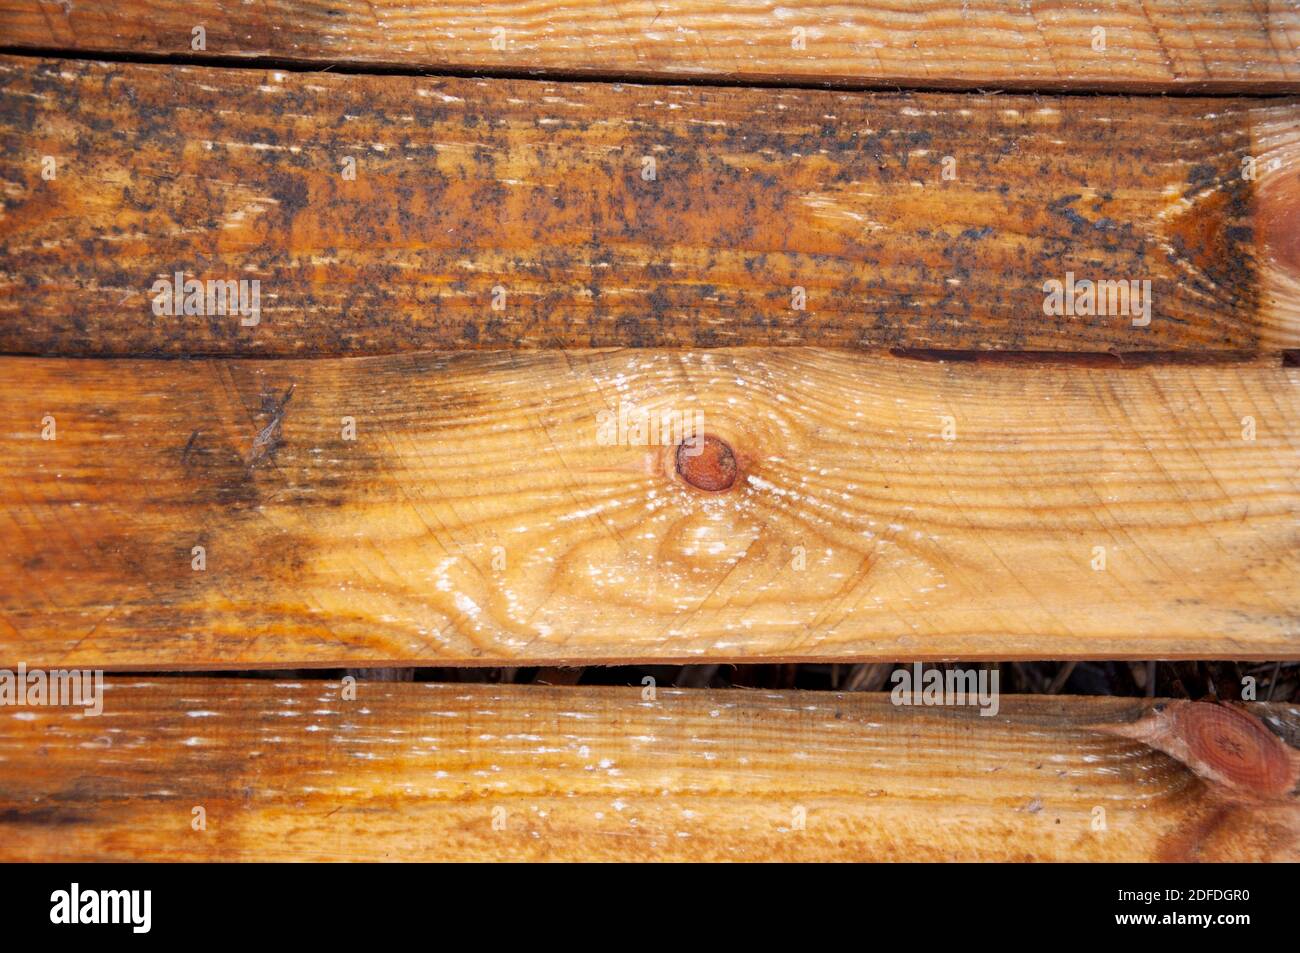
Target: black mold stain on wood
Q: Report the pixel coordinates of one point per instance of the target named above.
(749, 201)
(52, 816)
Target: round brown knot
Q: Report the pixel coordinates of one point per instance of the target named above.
(1237, 747)
(708, 465)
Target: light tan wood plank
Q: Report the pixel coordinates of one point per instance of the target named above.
(293, 771)
(1164, 45)
(482, 516)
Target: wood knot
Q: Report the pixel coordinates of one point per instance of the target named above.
(1277, 210)
(1228, 747)
(708, 465)
(1237, 747)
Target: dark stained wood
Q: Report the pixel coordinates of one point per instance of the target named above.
(504, 213)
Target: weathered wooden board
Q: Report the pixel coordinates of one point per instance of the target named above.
(502, 213)
(294, 771)
(1165, 45)
(486, 511)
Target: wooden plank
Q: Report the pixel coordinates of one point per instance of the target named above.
(487, 513)
(293, 771)
(500, 213)
(1157, 45)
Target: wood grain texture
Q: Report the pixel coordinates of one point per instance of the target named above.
(291, 771)
(1157, 45)
(481, 517)
(503, 213)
